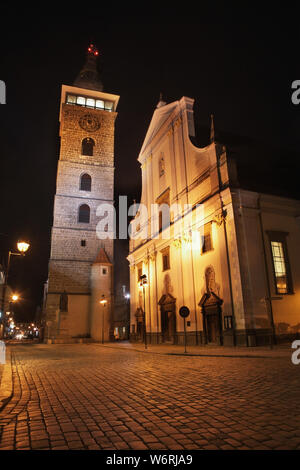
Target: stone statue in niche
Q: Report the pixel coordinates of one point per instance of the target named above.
(161, 166)
(167, 285)
(210, 280)
(63, 302)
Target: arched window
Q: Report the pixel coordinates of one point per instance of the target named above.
(87, 146)
(85, 182)
(84, 214)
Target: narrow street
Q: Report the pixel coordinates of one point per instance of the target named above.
(95, 397)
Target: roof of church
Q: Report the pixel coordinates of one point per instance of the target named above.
(88, 77)
(102, 257)
(160, 115)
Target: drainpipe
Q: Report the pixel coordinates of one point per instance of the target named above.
(223, 212)
(268, 298)
(229, 270)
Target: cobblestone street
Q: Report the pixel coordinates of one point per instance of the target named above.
(95, 397)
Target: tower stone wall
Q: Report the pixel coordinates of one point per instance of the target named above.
(74, 242)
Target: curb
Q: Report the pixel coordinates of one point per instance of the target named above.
(166, 353)
(6, 386)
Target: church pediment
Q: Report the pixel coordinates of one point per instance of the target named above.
(159, 117)
(139, 313)
(166, 299)
(210, 299)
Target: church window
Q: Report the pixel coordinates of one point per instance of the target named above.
(84, 214)
(87, 147)
(85, 182)
(228, 322)
(139, 271)
(164, 210)
(281, 267)
(83, 242)
(166, 259)
(207, 238)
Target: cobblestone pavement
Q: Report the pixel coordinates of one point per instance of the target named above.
(94, 397)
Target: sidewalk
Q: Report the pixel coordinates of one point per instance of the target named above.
(280, 351)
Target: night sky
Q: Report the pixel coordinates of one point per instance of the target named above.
(238, 65)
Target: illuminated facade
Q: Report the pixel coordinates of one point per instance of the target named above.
(81, 262)
(230, 258)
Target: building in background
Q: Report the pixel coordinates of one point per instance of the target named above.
(7, 301)
(232, 258)
(81, 261)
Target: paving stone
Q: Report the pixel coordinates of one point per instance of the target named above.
(103, 398)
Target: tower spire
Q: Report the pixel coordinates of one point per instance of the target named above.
(161, 101)
(88, 76)
(212, 129)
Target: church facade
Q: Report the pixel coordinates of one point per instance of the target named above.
(79, 297)
(230, 256)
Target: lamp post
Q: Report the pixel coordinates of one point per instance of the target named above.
(143, 284)
(22, 247)
(9, 317)
(103, 302)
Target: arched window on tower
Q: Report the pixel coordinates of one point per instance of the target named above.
(84, 214)
(87, 146)
(85, 182)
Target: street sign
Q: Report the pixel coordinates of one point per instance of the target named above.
(184, 311)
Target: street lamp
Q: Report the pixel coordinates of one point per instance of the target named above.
(143, 284)
(22, 248)
(103, 302)
(9, 320)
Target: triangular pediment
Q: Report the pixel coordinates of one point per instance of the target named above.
(166, 299)
(139, 313)
(160, 116)
(210, 298)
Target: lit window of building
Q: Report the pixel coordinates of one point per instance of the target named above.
(283, 284)
(89, 102)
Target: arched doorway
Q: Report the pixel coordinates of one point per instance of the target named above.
(167, 305)
(211, 306)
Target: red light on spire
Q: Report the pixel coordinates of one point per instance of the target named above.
(93, 50)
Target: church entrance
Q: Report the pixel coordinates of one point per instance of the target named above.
(167, 325)
(212, 318)
(212, 322)
(168, 318)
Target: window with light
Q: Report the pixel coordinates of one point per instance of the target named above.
(89, 102)
(280, 269)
